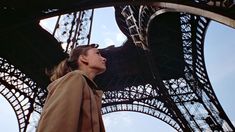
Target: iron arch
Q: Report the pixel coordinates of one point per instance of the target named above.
(143, 99)
(22, 93)
(159, 114)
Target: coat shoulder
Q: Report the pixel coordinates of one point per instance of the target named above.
(71, 77)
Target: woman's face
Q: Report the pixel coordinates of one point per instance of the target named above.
(95, 60)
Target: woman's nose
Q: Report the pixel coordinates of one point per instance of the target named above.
(104, 59)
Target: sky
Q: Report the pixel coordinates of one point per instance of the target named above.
(220, 64)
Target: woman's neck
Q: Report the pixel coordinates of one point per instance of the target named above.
(89, 72)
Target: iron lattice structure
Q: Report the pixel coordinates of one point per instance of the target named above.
(186, 101)
(74, 29)
(24, 95)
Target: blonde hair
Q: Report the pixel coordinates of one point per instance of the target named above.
(70, 64)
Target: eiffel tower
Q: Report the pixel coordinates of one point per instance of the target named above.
(159, 71)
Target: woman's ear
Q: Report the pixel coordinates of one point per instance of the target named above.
(83, 59)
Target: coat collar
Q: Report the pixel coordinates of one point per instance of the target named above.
(99, 92)
(84, 74)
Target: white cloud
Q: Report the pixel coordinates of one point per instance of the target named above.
(104, 27)
(108, 42)
(125, 121)
(120, 38)
(117, 119)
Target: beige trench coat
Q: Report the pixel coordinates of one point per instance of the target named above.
(72, 106)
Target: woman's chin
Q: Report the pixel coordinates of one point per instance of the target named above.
(102, 70)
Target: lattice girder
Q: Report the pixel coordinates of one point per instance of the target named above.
(193, 51)
(143, 99)
(44, 9)
(193, 94)
(74, 29)
(185, 92)
(21, 92)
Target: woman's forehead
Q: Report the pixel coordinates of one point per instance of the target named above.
(93, 50)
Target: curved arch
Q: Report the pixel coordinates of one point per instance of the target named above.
(21, 92)
(19, 103)
(163, 7)
(176, 6)
(24, 84)
(210, 9)
(195, 74)
(196, 11)
(157, 113)
(143, 99)
(151, 17)
(169, 6)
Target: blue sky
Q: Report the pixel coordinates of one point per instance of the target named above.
(220, 62)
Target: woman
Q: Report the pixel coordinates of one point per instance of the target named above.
(73, 103)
